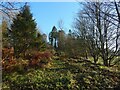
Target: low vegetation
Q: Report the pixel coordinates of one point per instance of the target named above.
(67, 74)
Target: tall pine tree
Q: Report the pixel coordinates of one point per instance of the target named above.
(23, 32)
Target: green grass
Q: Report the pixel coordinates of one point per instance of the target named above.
(100, 61)
(70, 74)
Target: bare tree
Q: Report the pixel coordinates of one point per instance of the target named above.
(61, 24)
(9, 9)
(105, 19)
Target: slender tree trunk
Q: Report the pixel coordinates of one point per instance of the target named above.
(106, 63)
(95, 59)
(86, 56)
(55, 43)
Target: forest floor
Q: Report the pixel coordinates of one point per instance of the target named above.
(69, 74)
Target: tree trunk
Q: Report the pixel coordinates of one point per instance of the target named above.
(105, 62)
(95, 59)
(86, 56)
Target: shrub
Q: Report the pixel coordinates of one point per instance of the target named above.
(14, 65)
(34, 60)
(38, 80)
(8, 65)
(38, 59)
(7, 53)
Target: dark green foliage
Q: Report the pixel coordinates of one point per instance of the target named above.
(39, 44)
(23, 31)
(53, 36)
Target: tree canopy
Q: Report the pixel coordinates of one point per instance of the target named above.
(24, 31)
